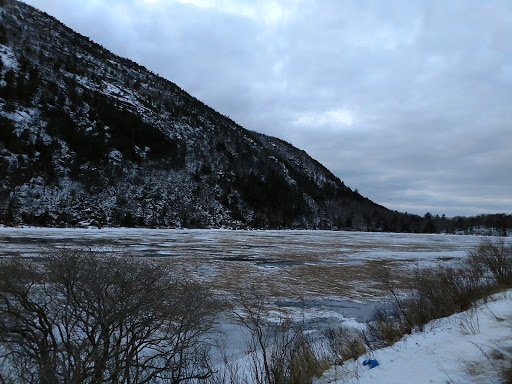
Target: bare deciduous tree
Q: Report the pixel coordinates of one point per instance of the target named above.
(84, 318)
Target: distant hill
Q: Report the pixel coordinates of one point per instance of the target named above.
(88, 137)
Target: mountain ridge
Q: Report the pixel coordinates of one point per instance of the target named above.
(88, 137)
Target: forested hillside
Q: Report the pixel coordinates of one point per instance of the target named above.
(87, 137)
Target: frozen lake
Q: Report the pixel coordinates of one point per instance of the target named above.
(324, 273)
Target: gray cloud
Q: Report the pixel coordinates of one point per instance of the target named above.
(406, 101)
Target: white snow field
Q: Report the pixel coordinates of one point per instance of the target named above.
(464, 348)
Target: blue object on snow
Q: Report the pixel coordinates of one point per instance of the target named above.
(371, 362)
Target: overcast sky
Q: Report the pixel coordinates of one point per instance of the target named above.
(410, 102)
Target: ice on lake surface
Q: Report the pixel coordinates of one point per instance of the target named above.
(325, 270)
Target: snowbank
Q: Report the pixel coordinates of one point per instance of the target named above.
(457, 349)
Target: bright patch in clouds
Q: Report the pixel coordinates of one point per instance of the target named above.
(223, 6)
(268, 12)
(335, 119)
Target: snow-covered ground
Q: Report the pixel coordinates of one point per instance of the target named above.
(463, 348)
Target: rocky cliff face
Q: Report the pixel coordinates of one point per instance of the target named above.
(87, 136)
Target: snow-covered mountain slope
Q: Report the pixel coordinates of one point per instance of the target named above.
(86, 135)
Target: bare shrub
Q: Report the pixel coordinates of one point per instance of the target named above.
(388, 322)
(227, 369)
(470, 322)
(494, 366)
(280, 351)
(305, 362)
(440, 292)
(385, 326)
(84, 318)
(435, 293)
(345, 344)
(493, 260)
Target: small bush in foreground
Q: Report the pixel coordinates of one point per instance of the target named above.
(385, 327)
(344, 344)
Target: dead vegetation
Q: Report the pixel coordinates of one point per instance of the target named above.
(79, 317)
(280, 352)
(440, 292)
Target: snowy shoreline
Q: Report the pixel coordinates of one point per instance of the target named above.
(462, 348)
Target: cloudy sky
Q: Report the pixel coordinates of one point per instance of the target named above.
(410, 102)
